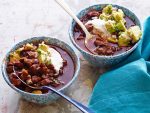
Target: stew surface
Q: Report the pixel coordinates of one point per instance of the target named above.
(103, 46)
(40, 65)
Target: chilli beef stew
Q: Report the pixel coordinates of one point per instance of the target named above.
(40, 64)
(115, 32)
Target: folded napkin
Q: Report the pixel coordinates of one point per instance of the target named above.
(126, 88)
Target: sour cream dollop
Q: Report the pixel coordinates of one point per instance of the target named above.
(56, 59)
(49, 55)
(99, 25)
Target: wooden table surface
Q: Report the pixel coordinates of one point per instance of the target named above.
(22, 19)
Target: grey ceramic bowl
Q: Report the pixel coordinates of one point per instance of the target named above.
(97, 60)
(49, 97)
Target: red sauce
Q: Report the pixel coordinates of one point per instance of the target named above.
(69, 69)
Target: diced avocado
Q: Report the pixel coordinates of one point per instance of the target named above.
(112, 40)
(48, 62)
(119, 33)
(42, 58)
(117, 16)
(110, 26)
(104, 16)
(135, 33)
(120, 26)
(121, 12)
(124, 39)
(43, 47)
(40, 51)
(107, 9)
(47, 59)
(43, 54)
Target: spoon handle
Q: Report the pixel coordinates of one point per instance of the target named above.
(69, 11)
(83, 108)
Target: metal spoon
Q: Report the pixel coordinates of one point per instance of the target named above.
(89, 37)
(80, 106)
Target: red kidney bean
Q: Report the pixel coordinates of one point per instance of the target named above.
(16, 82)
(93, 14)
(25, 72)
(9, 69)
(45, 82)
(32, 54)
(18, 64)
(28, 62)
(36, 79)
(12, 75)
(35, 69)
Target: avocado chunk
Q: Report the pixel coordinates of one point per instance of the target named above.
(112, 40)
(135, 33)
(43, 54)
(105, 17)
(121, 12)
(118, 16)
(42, 58)
(124, 39)
(110, 26)
(107, 9)
(43, 47)
(120, 26)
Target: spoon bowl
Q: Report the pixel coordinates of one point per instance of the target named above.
(89, 44)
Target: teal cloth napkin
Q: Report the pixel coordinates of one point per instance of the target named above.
(126, 88)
